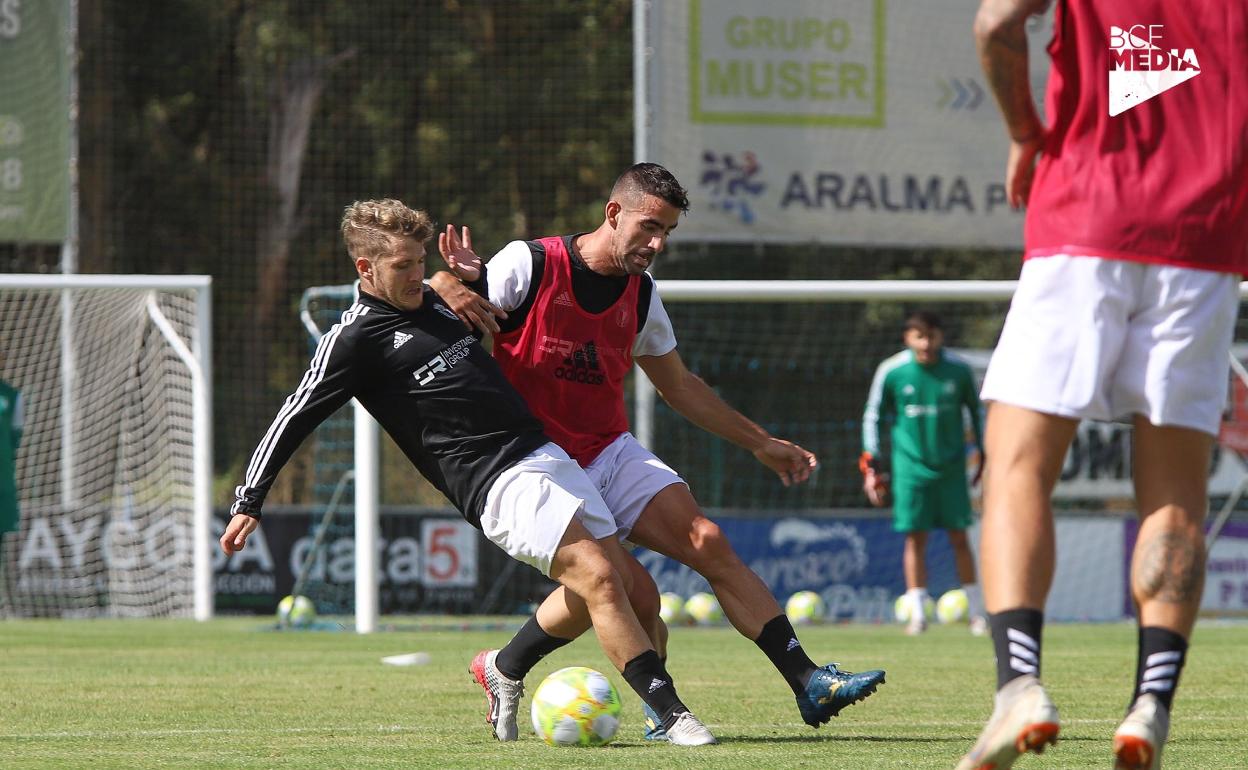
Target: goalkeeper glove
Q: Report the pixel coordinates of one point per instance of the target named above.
(874, 479)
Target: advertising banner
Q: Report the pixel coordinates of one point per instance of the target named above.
(855, 564)
(425, 564)
(1226, 573)
(36, 62)
(854, 121)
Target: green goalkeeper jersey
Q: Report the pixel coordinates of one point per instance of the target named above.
(10, 435)
(926, 406)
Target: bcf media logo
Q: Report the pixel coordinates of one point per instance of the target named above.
(1141, 67)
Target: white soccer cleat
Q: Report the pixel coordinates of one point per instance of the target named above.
(1024, 719)
(502, 695)
(688, 731)
(979, 625)
(1138, 741)
(916, 626)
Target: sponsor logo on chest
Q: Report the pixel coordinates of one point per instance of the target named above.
(444, 360)
(1142, 65)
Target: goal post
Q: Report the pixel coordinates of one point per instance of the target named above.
(115, 465)
(366, 471)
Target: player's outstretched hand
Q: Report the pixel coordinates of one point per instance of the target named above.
(456, 249)
(790, 462)
(236, 532)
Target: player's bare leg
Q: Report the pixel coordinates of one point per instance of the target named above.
(1168, 564)
(914, 568)
(914, 559)
(963, 559)
(1167, 579)
(590, 571)
(1025, 451)
(964, 563)
(672, 524)
(565, 615)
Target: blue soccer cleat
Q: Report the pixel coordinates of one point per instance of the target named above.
(654, 726)
(830, 690)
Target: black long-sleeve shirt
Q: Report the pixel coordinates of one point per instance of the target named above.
(427, 381)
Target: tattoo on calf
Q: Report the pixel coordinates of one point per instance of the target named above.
(1169, 568)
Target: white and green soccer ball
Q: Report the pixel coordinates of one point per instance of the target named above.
(805, 607)
(576, 706)
(296, 612)
(953, 607)
(704, 609)
(901, 609)
(672, 609)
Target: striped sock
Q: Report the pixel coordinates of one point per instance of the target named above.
(1162, 654)
(1016, 639)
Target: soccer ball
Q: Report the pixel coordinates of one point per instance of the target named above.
(901, 609)
(296, 612)
(804, 607)
(576, 706)
(704, 609)
(953, 606)
(672, 608)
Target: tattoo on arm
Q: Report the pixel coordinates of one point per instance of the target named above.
(1001, 33)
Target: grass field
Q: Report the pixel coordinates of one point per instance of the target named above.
(232, 694)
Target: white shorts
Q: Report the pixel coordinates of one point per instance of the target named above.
(628, 476)
(530, 505)
(1104, 339)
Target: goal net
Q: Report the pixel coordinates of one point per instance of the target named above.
(114, 466)
(798, 357)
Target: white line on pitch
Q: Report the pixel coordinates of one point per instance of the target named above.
(199, 731)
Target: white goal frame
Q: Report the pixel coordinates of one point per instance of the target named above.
(197, 357)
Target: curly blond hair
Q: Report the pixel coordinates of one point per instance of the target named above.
(372, 229)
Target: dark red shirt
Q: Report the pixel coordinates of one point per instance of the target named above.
(1165, 180)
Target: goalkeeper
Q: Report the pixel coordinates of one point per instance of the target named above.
(923, 390)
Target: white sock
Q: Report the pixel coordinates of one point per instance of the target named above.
(974, 600)
(917, 597)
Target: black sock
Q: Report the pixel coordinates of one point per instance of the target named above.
(526, 648)
(1161, 658)
(1016, 639)
(648, 677)
(778, 641)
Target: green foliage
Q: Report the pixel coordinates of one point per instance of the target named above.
(510, 117)
(513, 118)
